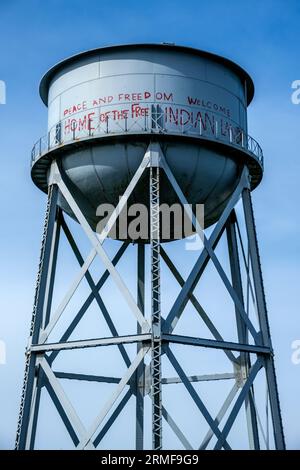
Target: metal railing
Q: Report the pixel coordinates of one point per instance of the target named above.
(154, 121)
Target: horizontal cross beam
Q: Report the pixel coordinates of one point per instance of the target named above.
(146, 337)
(212, 343)
(90, 343)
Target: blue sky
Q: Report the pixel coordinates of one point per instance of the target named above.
(263, 37)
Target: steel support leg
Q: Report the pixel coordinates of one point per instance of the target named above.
(156, 312)
(52, 267)
(139, 376)
(23, 440)
(263, 320)
(35, 409)
(241, 327)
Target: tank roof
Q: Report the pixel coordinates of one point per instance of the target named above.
(46, 80)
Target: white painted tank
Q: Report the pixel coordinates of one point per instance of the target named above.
(107, 105)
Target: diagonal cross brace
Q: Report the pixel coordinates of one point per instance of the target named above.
(176, 429)
(239, 402)
(94, 290)
(62, 306)
(97, 244)
(219, 417)
(195, 397)
(68, 408)
(115, 395)
(194, 276)
(196, 304)
(209, 245)
(87, 303)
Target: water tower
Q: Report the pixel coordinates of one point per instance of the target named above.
(151, 125)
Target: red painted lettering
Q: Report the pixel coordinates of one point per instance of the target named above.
(163, 96)
(192, 100)
(90, 120)
(137, 111)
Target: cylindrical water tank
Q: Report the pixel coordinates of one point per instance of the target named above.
(107, 105)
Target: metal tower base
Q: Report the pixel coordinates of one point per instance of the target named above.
(251, 354)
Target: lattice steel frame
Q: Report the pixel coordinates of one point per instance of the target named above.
(154, 338)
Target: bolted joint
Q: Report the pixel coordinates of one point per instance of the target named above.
(54, 176)
(156, 332)
(36, 370)
(155, 154)
(241, 374)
